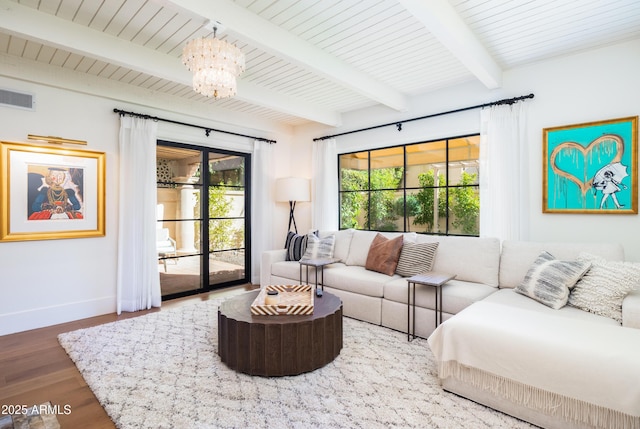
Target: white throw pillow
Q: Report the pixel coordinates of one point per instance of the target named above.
(603, 288)
(549, 280)
(319, 248)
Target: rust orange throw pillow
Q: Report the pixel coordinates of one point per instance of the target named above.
(384, 254)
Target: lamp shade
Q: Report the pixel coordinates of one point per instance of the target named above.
(293, 189)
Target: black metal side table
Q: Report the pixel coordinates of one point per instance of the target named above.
(433, 279)
(316, 263)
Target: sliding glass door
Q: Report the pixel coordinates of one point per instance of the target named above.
(227, 221)
(202, 218)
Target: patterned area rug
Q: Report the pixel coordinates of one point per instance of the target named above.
(162, 371)
(33, 417)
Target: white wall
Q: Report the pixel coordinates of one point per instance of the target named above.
(54, 281)
(46, 282)
(589, 86)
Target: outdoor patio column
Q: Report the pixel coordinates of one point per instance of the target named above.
(186, 232)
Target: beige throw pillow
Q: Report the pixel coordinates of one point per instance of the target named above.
(603, 288)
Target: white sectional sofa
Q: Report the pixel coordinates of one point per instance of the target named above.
(565, 368)
(482, 267)
(382, 299)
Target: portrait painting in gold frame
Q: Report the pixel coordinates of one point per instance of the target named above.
(50, 192)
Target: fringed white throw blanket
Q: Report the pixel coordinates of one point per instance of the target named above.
(583, 371)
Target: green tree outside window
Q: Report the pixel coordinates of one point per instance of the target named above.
(465, 204)
(426, 197)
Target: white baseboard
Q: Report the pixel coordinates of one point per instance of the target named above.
(35, 318)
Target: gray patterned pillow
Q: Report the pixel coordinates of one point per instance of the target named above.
(603, 288)
(318, 248)
(416, 258)
(549, 280)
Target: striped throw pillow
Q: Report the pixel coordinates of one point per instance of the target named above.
(296, 245)
(416, 258)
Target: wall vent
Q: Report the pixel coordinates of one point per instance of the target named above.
(21, 100)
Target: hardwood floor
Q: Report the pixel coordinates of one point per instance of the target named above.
(34, 368)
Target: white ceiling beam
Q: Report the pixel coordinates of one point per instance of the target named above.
(260, 33)
(28, 23)
(83, 83)
(442, 20)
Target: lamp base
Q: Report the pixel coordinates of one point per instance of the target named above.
(292, 207)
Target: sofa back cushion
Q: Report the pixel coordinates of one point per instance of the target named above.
(473, 259)
(517, 256)
(342, 242)
(361, 241)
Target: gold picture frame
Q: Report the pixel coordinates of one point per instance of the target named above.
(591, 168)
(50, 193)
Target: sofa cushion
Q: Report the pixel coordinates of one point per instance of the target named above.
(549, 280)
(287, 269)
(511, 298)
(472, 259)
(517, 256)
(563, 368)
(359, 248)
(291, 270)
(456, 294)
(383, 254)
(342, 243)
(604, 286)
(319, 248)
(631, 310)
(296, 245)
(357, 280)
(416, 258)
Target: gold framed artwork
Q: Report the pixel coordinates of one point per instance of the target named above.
(50, 193)
(591, 167)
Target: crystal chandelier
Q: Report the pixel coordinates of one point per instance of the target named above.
(215, 65)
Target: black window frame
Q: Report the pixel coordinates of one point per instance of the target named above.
(205, 218)
(403, 188)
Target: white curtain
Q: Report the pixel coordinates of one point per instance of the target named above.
(504, 172)
(262, 205)
(324, 194)
(138, 283)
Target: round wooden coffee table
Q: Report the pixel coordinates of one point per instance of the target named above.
(278, 345)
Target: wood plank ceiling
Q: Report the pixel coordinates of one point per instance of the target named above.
(307, 60)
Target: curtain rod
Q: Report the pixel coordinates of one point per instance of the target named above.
(398, 124)
(207, 130)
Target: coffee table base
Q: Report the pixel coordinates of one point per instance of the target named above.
(279, 345)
